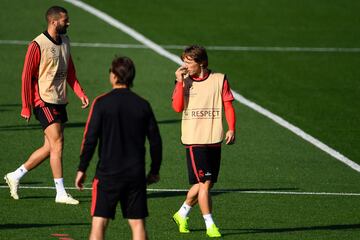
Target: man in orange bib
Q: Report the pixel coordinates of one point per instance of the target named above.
(201, 95)
(48, 68)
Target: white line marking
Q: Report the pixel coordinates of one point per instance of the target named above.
(158, 49)
(124, 28)
(215, 190)
(270, 49)
(214, 48)
(297, 131)
(117, 24)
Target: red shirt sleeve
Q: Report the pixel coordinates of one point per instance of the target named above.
(226, 92)
(178, 97)
(30, 72)
(72, 80)
(227, 98)
(230, 115)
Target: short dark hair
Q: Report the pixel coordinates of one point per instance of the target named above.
(54, 12)
(198, 53)
(124, 69)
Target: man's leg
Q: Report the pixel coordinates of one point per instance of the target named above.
(190, 201)
(98, 228)
(205, 204)
(180, 217)
(138, 229)
(192, 195)
(54, 134)
(35, 159)
(204, 197)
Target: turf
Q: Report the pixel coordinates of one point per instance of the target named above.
(318, 92)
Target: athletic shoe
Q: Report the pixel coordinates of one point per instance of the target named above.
(213, 231)
(67, 199)
(13, 185)
(181, 222)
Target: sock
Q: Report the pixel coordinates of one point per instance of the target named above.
(184, 210)
(208, 220)
(19, 173)
(59, 184)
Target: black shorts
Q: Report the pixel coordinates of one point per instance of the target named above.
(50, 113)
(107, 193)
(203, 162)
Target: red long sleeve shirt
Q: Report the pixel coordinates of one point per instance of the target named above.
(30, 90)
(227, 98)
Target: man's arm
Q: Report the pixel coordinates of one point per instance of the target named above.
(91, 135)
(31, 68)
(155, 142)
(229, 110)
(178, 97)
(75, 85)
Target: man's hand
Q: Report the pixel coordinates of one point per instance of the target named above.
(26, 114)
(27, 118)
(79, 180)
(230, 137)
(84, 101)
(152, 178)
(180, 73)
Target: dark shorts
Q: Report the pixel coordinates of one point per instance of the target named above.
(50, 113)
(107, 193)
(203, 162)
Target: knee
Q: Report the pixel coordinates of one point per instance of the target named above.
(57, 144)
(137, 224)
(206, 186)
(46, 147)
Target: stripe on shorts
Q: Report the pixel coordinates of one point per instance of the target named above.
(94, 196)
(193, 163)
(48, 114)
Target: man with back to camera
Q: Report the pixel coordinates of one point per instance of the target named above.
(47, 69)
(120, 120)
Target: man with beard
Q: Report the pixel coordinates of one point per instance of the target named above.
(47, 69)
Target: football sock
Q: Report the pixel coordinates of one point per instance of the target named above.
(20, 172)
(59, 184)
(208, 220)
(184, 210)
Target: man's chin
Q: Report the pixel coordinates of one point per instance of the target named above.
(62, 31)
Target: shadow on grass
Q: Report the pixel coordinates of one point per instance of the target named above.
(37, 197)
(37, 225)
(169, 121)
(4, 110)
(11, 105)
(334, 227)
(30, 183)
(23, 184)
(33, 126)
(215, 192)
(83, 199)
(24, 127)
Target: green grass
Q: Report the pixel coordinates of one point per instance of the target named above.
(318, 92)
(315, 91)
